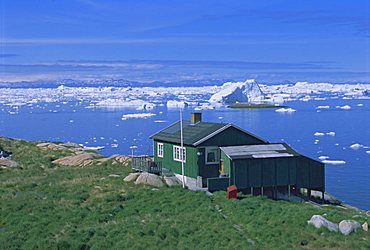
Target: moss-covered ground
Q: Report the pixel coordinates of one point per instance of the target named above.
(51, 207)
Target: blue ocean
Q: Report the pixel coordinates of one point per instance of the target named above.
(327, 132)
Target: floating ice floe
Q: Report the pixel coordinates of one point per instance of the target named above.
(360, 105)
(159, 121)
(323, 157)
(137, 116)
(94, 148)
(331, 133)
(323, 107)
(319, 134)
(345, 107)
(176, 104)
(368, 152)
(285, 110)
(356, 146)
(126, 103)
(334, 162)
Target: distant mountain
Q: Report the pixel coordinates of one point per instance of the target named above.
(111, 83)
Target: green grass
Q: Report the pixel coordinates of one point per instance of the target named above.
(50, 207)
(243, 105)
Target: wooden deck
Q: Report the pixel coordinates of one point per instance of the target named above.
(146, 164)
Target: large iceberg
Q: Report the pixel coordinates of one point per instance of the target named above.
(232, 92)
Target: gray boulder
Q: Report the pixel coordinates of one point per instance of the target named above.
(6, 163)
(318, 221)
(149, 179)
(131, 177)
(172, 181)
(348, 226)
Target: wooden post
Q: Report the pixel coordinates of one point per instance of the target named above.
(289, 190)
(261, 191)
(252, 191)
(309, 193)
(323, 197)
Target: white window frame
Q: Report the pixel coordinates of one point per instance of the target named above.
(177, 153)
(208, 149)
(160, 150)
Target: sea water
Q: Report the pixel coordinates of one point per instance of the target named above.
(310, 130)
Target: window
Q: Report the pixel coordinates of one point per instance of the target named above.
(160, 150)
(212, 155)
(179, 154)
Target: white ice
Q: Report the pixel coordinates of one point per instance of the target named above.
(285, 110)
(137, 116)
(334, 162)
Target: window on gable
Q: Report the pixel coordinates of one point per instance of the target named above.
(212, 155)
(160, 150)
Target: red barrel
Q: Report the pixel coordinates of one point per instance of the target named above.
(232, 192)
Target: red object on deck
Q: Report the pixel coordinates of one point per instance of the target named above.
(232, 192)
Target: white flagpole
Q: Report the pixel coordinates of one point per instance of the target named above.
(182, 151)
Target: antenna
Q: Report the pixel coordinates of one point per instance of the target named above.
(182, 150)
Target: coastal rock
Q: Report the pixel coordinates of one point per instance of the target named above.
(131, 177)
(348, 226)
(50, 146)
(6, 163)
(365, 226)
(318, 221)
(172, 181)
(76, 160)
(4, 153)
(149, 179)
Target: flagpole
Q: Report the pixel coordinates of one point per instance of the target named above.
(182, 151)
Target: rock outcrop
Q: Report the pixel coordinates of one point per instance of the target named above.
(348, 226)
(172, 181)
(4, 153)
(131, 177)
(149, 179)
(365, 226)
(84, 159)
(50, 146)
(319, 221)
(7, 163)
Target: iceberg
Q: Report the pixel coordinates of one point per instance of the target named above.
(233, 92)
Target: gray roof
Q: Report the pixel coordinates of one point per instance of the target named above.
(193, 134)
(259, 151)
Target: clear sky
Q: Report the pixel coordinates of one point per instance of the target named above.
(194, 39)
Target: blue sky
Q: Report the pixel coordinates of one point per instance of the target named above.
(168, 40)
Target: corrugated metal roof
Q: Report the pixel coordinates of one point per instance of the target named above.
(192, 133)
(259, 151)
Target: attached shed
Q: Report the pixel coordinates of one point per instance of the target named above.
(265, 168)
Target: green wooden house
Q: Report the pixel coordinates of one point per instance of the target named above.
(202, 142)
(217, 155)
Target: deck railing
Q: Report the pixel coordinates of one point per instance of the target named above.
(146, 164)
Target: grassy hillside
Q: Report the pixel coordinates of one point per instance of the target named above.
(52, 207)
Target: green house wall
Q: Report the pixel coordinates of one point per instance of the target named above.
(190, 165)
